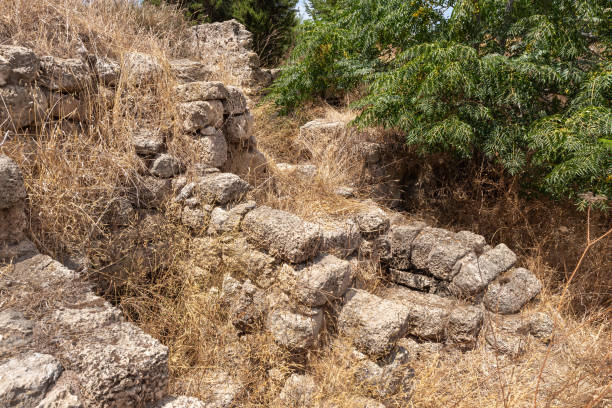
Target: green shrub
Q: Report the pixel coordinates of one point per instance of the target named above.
(523, 84)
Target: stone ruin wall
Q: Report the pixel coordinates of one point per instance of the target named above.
(71, 347)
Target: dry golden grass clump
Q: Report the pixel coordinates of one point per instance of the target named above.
(78, 175)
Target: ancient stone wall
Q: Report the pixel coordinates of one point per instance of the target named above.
(71, 346)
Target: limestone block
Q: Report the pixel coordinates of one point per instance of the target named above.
(201, 91)
(199, 115)
(235, 103)
(212, 149)
(17, 65)
(25, 379)
(238, 128)
(294, 330)
(326, 280)
(282, 234)
(223, 188)
(373, 323)
(475, 273)
(512, 291)
(65, 75)
(166, 166)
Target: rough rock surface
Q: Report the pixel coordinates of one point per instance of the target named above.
(341, 239)
(199, 115)
(166, 166)
(12, 190)
(181, 402)
(294, 330)
(512, 291)
(17, 65)
(147, 142)
(66, 75)
(201, 91)
(298, 391)
(222, 188)
(140, 68)
(211, 149)
(238, 128)
(185, 71)
(373, 323)
(246, 303)
(282, 234)
(228, 46)
(326, 280)
(475, 273)
(25, 379)
(22, 106)
(433, 318)
(372, 222)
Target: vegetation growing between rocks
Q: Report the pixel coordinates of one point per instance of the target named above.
(272, 22)
(524, 85)
(74, 174)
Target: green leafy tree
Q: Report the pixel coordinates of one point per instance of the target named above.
(525, 84)
(272, 23)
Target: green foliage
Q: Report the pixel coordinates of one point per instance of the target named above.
(523, 84)
(202, 10)
(272, 22)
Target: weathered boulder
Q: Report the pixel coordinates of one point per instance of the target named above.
(17, 65)
(372, 222)
(65, 75)
(140, 68)
(166, 166)
(238, 254)
(15, 330)
(476, 272)
(181, 402)
(150, 192)
(62, 395)
(238, 128)
(326, 280)
(222, 221)
(147, 142)
(222, 188)
(424, 243)
(386, 377)
(25, 379)
(235, 103)
(341, 239)
(400, 239)
(222, 389)
(22, 106)
(185, 71)
(201, 91)
(318, 133)
(108, 71)
(373, 323)
(227, 48)
(211, 149)
(282, 234)
(195, 218)
(294, 330)
(12, 189)
(431, 317)
(298, 391)
(246, 303)
(199, 115)
(512, 291)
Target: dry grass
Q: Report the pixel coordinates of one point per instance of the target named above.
(161, 274)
